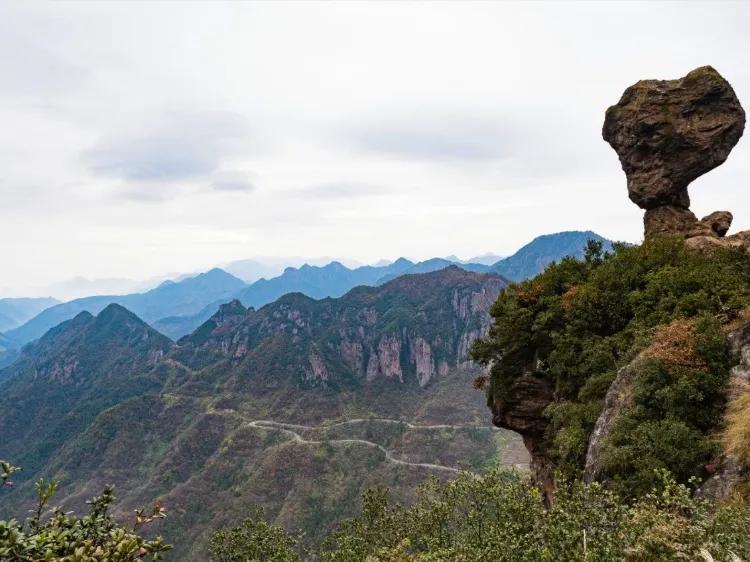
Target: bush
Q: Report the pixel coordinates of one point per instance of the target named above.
(500, 516)
(255, 541)
(63, 536)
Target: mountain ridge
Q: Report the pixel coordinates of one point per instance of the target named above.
(189, 295)
(177, 315)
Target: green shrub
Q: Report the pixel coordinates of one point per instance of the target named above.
(500, 517)
(58, 535)
(255, 541)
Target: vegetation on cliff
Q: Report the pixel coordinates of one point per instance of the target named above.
(578, 322)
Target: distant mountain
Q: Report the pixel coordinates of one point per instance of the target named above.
(178, 308)
(267, 267)
(183, 298)
(176, 327)
(109, 400)
(532, 258)
(485, 259)
(332, 280)
(251, 270)
(434, 264)
(8, 351)
(14, 312)
(60, 383)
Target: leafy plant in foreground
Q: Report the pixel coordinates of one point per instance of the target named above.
(62, 536)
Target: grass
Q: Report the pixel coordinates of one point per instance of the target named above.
(736, 437)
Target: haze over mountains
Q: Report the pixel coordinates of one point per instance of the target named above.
(177, 308)
(14, 312)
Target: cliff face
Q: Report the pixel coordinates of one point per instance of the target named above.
(521, 409)
(412, 329)
(730, 471)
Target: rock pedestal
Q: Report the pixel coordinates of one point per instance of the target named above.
(667, 133)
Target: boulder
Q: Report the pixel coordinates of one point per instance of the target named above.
(669, 219)
(666, 134)
(718, 222)
(669, 132)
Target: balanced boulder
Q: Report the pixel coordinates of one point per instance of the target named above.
(669, 132)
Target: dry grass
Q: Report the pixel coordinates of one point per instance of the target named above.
(530, 291)
(736, 436)
(569, 297)
(674, 344)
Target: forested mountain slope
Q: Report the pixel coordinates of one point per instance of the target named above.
(189, 422)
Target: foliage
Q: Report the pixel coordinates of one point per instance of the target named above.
(66, 537)
(255, 541)
(500, 516)
(579, 321)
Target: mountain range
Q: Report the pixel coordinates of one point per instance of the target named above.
(14, 312)
(198, 424)
(177, 308)
(182, 298)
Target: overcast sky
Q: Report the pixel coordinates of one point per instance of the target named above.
(139, 138)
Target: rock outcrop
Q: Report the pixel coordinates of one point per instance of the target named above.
(618, 399)
(667, 133)
(416, 327)
(729, 473)
(520, 408)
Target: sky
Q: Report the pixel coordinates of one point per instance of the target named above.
(139, 139)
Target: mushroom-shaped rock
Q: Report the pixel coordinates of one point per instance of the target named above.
(669, 132)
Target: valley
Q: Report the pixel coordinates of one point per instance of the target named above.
(259, 407)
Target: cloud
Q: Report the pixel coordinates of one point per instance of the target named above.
(29, 69)
(232, 181)
(148, 192)
(436, 137)
(335, 190)
(178, 146)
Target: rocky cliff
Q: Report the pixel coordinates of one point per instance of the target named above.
(412, 329)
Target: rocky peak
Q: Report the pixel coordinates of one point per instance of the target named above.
(229, 313)
(667, 133)
(414, 328)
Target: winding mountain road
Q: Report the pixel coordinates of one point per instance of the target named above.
(289, 429)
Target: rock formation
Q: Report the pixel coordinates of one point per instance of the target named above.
(667, 133)
(618, 399)
(521, 409)
(415, 328)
